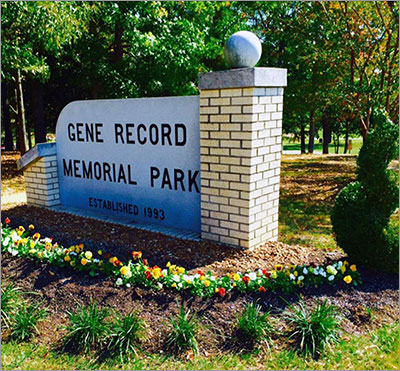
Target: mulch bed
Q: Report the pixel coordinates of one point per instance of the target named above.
(61, 290)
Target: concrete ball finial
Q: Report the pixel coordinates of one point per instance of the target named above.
(243, 50)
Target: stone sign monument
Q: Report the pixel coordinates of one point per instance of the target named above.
(208, 164)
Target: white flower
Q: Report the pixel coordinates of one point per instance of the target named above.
(316, 271)
(340, 263)
(128, 274)
(292, 276)
(160, 285)
(212, 278)
(15, 236)
(323, 273)
(176, 278)
(330, 269)
(185, 277)
(119, 282)
(252, 276)
(14, 252)
(96, 260)
(180, 285)
(331, 278)
(259, 273)
(301, 278)
(128, 285)
(47, 239)
(164, 272)
(6, 241)
(305, 270)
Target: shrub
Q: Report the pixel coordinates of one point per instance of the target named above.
(126, 334)
(182, 335)
(88, 327)
(254, 325)
(10, 299)
(362, 211)
(313, 330)
(26, 319)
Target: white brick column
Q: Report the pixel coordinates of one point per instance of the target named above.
(41, 175)
(240, 145)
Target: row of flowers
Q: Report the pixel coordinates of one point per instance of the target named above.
(137, 271)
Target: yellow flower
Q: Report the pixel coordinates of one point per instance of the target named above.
(36, 236)
(345, 263)
(279, 267)
(173, 285)
(347, 279)
(112, 260)
(32, 244)
(21, 229)
(353, 267)
(72, 263)
(273, 274)
(216, 290)
(300, 283)
(72, 249)
(31, 227)
(32, 251)
(296, 273)
(125, 270)
(100, 263)
(67, 258)
(236, 277)
(202, 278)
(100, 252)
(156, 273)
(88, 255)
(188, 282)
(40, 254)
(206, 283)
(292, 267)
(168, 264)
(83, 261)
(181, 270)
(343, 268)
(234, 284)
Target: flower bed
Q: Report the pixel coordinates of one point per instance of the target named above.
(136, 271)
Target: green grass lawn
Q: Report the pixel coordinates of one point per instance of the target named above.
(288, 145)
(377, 351)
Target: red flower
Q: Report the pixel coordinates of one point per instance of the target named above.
(148, 274)
(266, 274)
(7, 221)
(262, 289)
(145, 262)
(221, 291)
(200, 272)
(246, 279)
(117, 262)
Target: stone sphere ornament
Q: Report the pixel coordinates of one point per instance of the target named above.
(243, 50)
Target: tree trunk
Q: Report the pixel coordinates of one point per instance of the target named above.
(303, 139)
(38, 111)
(326, 134)
(346, 137)
(21, 129)
(311, 134)
(8, 137)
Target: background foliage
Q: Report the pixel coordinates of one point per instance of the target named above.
(342, 58)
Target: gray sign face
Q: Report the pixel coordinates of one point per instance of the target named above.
(138, 158)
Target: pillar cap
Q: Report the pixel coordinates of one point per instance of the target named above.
(35, 153)
(256, 77)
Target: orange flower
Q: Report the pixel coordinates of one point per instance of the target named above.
(262, 289)
(136, 254)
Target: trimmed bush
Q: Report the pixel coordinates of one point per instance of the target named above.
(88, 328)
(313, 330)
(362, 211)
(253, 325)
(126, 335)
(182, 336)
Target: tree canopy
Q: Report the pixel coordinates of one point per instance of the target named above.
(342, 57)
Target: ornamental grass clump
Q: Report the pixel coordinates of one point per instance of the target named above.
(11, 297)
(25, 321)
(182, 336)
(88, 328)
(126, 334)
(253, 324)
(313, 330)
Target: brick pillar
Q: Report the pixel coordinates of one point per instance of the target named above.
(41, 175)
(240, 146)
